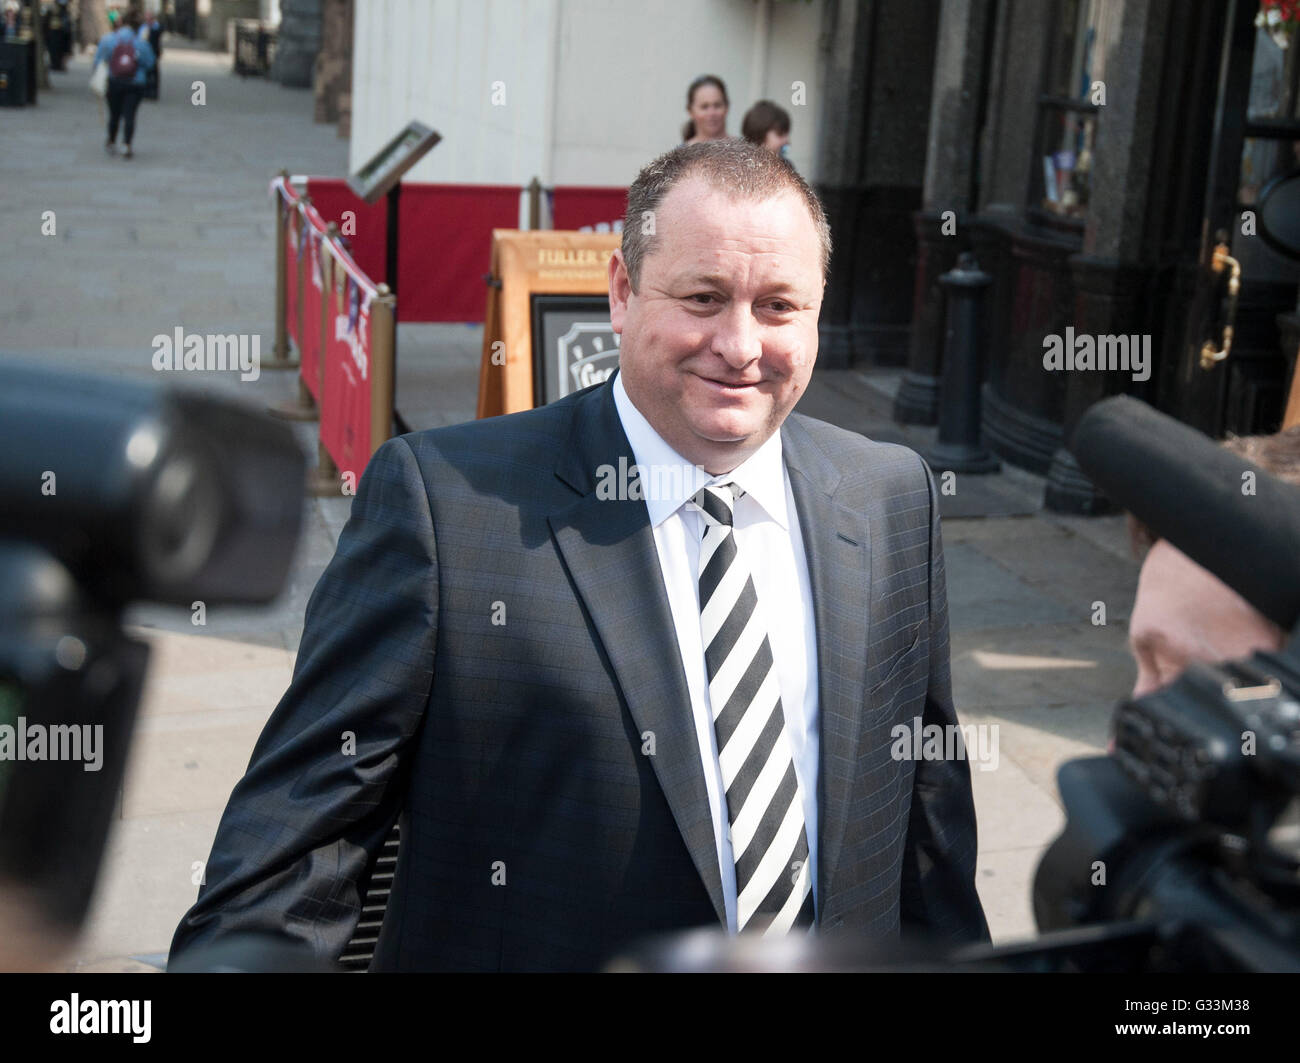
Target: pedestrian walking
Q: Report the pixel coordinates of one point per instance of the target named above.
(153, 29)
(56, 32)
(128, 58)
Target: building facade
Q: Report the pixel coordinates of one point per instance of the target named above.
(1111, 163)
(573, 92)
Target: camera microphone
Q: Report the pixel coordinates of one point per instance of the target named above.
(1224, 512)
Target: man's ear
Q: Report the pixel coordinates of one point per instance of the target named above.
(620, 290)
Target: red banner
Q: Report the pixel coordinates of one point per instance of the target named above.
(584, 208)
(363, 231)
(446, 242)
(345, 409)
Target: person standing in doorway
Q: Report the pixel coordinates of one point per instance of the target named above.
(706, 103)
(129, 58)
(768, 126)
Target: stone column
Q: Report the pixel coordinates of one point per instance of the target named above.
(298, 42)
(845, 41)
(92, 22)
(956, 106)
(879, 59)
(333, 77)
(1110, 273)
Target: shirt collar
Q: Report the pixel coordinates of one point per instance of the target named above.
(671, 480)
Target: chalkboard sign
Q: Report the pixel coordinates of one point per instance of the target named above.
(573, 345)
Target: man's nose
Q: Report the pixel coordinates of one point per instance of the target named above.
(736, 336)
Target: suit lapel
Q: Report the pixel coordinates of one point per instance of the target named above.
(837, 545)
(608, 547)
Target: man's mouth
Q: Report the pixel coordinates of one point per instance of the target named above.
(730, 387)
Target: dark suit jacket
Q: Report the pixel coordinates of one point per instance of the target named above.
(536, 834)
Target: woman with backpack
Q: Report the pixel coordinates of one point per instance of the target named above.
(129, 58)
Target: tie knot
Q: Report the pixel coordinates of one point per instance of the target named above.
(717, 501)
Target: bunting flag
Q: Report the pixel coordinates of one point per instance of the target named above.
(354, 304)
(318, 258)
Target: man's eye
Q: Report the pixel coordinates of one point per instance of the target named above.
(781, 306)
(703, 298)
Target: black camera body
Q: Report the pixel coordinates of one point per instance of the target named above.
(1182, 849)
(111, 492)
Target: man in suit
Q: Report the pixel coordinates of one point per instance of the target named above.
(606, 709)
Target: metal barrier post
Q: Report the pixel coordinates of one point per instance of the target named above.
(304, 407)
(958, 448)
(280, 358)
(534, 203)
(304, 202)
(383, 332)
(327, 480)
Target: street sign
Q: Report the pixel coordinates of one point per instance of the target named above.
(385, 169)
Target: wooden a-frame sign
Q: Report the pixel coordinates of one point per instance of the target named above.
(524, 264)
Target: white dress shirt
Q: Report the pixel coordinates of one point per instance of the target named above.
(769, 540)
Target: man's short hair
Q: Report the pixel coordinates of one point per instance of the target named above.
(1277, 454)
(735, 167)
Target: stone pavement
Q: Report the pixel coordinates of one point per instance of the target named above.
(181, 236)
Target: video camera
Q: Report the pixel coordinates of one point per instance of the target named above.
(110, 493)
(1182, 849)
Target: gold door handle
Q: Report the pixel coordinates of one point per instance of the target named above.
(1211, 355)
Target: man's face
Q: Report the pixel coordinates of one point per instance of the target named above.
(719, 343)
(1183, 613)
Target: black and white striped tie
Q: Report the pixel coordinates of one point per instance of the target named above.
(768, 837)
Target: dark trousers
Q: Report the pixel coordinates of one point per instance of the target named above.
(123, 99)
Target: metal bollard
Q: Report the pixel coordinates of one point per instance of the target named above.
(958, 447)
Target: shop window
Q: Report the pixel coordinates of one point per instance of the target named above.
(1271, 149)
(1073, 93)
